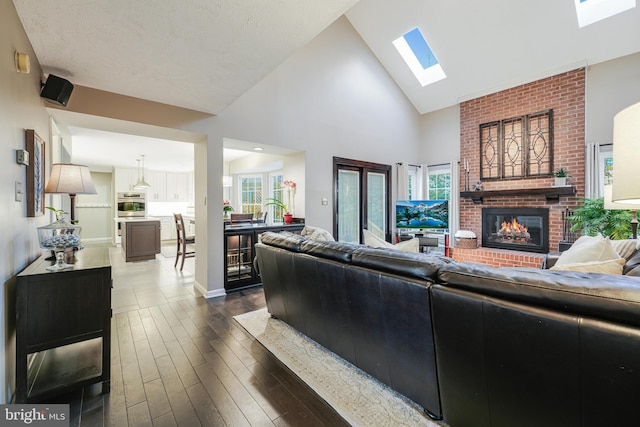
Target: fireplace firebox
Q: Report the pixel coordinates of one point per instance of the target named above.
(518, 229)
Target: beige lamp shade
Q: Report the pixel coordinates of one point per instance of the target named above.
(67, 178)
(610, 204)
(626, 155)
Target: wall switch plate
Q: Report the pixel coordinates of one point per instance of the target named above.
(325, 201)
(18, 191)
(22, 157)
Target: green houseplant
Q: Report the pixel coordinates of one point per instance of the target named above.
(287, 216)
(592, 218)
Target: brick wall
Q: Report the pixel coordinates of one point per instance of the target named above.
(565, 95)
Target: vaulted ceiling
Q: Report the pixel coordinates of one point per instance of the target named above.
(204, 54)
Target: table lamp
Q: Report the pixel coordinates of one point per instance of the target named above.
(67, 178)
(626, 155)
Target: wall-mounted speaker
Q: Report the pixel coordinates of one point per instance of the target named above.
(56, 89)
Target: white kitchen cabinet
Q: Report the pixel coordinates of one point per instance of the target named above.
(125, 179)
(177, 187)
(191, 228)
(158, 189)
(167, 228)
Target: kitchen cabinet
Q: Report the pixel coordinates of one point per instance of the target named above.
(178, 187)
(125, 179)
(167, 228)
(169, 186)
(140, 239)
(63, 326)
(157, 192)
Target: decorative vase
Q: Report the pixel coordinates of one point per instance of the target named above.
(561, 182)
(58, 237)
(288, 218)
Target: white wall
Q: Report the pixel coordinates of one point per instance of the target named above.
(331, 98)
(94, 212)
(611, 87)
(440, 136)
(20, 108)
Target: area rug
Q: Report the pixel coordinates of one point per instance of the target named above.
(358, 397)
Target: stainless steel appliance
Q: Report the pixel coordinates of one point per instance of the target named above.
(132, 205)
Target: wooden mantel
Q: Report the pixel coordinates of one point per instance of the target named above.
(551, 193)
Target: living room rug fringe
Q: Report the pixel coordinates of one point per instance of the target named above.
(358, 397)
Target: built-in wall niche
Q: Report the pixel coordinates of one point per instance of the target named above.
(519, 147)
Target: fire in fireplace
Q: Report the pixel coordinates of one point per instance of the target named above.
(519, 229)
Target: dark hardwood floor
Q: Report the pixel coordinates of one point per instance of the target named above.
(179, 359)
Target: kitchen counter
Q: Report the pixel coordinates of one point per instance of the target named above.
(140, 239)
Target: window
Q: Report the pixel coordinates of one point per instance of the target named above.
(250, 194)
(591, 11)
(439, 183)
(417, 53)
(276, 192)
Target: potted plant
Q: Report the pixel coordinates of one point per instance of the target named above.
(227, 208)
(288, 216)
(592, 218)
(561, 176)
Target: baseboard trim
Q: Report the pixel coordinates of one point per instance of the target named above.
(214, 293)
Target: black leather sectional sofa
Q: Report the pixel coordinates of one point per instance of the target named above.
(471, 344)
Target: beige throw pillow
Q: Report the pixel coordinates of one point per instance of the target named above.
(370, 239)
(591, 255)
(609, 267)
(588, 249)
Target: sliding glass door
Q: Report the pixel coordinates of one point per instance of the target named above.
(362, 199)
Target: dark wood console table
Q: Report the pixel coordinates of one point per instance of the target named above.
(239, 249)
(63, 326)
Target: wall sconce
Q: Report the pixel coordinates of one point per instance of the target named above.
(23, 63)
(227, 181)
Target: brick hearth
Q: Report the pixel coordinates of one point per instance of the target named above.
(498, 257)
(565, 95)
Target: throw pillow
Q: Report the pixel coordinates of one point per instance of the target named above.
(626, 247)
(588, 249)
(613, 266)
(370, 239)
(317, 233)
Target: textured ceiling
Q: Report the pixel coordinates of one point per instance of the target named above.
(196, 54)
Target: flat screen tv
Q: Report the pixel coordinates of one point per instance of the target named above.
(427, 214)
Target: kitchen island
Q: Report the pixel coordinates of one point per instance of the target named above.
(239, 242)
(140, 239)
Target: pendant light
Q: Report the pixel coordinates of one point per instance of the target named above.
(141, 184)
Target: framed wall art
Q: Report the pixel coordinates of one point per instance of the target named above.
(35, 173)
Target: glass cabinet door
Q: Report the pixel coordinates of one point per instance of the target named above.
(239, 253)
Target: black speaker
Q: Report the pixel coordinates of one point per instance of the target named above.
(57, 89)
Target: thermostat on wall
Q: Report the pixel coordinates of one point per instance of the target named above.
(22, 157)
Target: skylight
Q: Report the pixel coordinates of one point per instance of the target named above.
(590, 11)
(416, 52)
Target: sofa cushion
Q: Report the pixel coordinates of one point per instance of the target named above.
(603, 296)
(284, 240)
(317, 233)
(408, 264)
(337, 251)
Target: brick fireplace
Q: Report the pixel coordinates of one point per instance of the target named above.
(565, 95)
